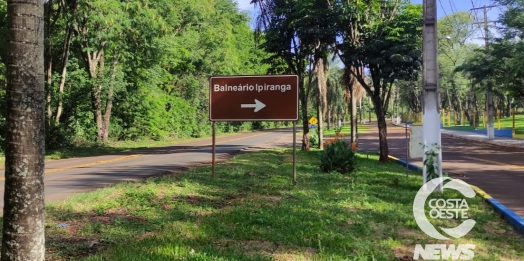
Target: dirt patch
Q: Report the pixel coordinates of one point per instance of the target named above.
(409, 233)
(266, 248)
(495, 227)
(72, 247)
(286, 253)
(404, 253)
(269, 198)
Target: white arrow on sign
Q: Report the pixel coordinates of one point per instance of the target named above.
(257, 105)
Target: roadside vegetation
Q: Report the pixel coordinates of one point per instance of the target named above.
(87, 149)
(252, 211)
(505, 123)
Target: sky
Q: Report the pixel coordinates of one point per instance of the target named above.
(445, 7)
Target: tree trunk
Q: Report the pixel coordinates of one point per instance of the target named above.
(95, 63)
(508, 108)
(328, 119)
(369, 109)
(65, 60)
(322, 101)
(360, 109)
(382, 128)
(353, 118)
(460, 109)
(305, 124)
(96, 101)
(476, 109)
(109, 104)
(48, 61)
(23, 223)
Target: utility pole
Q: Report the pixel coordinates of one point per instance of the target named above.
(489, 93)
(431, 118)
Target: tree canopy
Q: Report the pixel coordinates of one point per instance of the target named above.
(138, 69)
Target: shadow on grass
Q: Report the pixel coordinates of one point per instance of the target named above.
(250, 211)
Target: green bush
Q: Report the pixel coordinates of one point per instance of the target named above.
(313, 140)
(337, 156)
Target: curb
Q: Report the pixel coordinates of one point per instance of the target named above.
(403, 163)
(503, 144)
(484, 141)
(507, 214)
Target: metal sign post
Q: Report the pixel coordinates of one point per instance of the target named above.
(294, 152)
(407, 151)
(213, 151)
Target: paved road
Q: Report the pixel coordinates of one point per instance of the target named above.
(495, 169)
(70, 176)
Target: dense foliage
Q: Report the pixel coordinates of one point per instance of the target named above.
(137, 69)
(377, 40)
(337, 156)
(496, 67)
(140, 69)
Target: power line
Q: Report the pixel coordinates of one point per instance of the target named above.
(489, 94)
(475, 15)
(443, 9)
(452, 4)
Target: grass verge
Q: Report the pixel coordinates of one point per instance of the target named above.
(346, 129)
(505, 123)
(251, 211)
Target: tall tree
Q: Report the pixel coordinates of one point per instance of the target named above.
(321, 81)
(98, 27)
(293, 30)
(388, 47)
(23, 224)
(454, 33)
(353, 93)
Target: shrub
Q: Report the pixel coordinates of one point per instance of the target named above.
(313, 140)
(337, 156)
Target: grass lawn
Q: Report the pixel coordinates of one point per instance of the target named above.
(251, 211)
(505, 123)
(346, 129)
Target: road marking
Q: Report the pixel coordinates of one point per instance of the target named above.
(93, 163)
(496, 162)
(49, 171)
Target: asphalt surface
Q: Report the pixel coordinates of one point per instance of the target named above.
(497, 170)
(71, 176)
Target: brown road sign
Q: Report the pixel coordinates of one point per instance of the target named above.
(253, 98)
